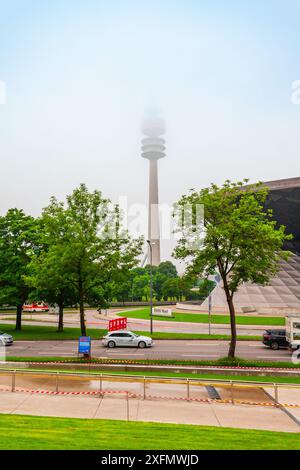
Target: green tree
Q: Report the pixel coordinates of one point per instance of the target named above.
(123, 288)
(148, 268)
(18, 243)
(240, 238)
(168, 269)
(93, 249)
(140, 287)
(205, 288)
(185, 284)
(170, 289)
(138, 271)
(49, 282)
(158, 282)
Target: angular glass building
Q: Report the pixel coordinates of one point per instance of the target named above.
(284, 200)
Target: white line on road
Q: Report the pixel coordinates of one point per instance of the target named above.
(133, 354)
(24, 342)
(200, 355)
(62, 350)
(275, 357)
(53, 355)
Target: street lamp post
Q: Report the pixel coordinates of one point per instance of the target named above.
(151, 288)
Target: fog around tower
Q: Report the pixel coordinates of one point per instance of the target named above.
(80, 78)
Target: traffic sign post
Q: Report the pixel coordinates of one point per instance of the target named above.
(85, 346)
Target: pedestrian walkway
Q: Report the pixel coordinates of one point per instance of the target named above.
(289, 396)
(137, 409)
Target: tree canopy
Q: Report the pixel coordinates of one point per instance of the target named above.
(238, 238)
(19, 241)
(76, 252)
(87, 247)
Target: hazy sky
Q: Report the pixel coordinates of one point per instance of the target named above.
(80, 74)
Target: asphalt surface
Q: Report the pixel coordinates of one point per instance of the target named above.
(159, 326)
(162, 349)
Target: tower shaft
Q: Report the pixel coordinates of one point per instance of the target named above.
(153, 149)
(153, 222)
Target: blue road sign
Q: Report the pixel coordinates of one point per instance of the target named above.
(84, 345)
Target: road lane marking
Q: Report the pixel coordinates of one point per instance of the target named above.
(61, 350)
(131, 355)
(200, 355)
(54, 355)
(274, 357)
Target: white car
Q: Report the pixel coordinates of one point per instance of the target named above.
(126, 339)
(5, 339)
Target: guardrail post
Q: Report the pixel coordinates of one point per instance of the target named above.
(56, 382)
(101, 394)
(145, 397)
(231, 392)
(13, 381)
(127, 400)
(188, 389)
(276, 395)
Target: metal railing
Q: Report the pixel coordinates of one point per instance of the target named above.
(58, 386)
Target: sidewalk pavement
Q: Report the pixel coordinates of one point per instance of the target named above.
(115, 407)
(288, 395)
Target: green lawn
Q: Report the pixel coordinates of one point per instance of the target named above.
(33, 332)
(204, 318)
(36, 433)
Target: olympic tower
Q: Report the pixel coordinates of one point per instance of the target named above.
(153, 148)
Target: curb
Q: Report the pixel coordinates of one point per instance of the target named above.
(132, 362)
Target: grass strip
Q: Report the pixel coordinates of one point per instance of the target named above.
(204, 318)
(225, 362)
(19, 432)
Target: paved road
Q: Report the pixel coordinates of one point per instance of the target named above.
(95, 321)
(163, 349)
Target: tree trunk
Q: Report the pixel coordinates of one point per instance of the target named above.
(232, 347)
(82, 318)
(19, 317)
(61, 317)
(81, 308)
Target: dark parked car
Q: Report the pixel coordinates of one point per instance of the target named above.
(275, 339)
